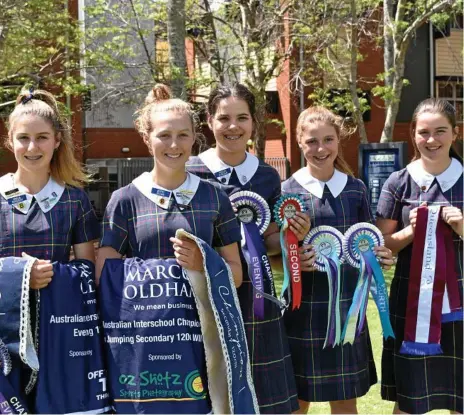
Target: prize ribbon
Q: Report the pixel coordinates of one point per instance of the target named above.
(254, 215)
(433, 289)
(358, 245)
(328, 245)
(285, 209)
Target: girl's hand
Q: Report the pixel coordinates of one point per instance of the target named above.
(413, 217)
(300, 225)
(187, 254)
(453, 217)
(385, 257)
(41, 273)
(307, 258)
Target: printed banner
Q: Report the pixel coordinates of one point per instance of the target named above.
(72, 378)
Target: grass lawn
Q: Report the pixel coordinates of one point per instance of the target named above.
(371, 403)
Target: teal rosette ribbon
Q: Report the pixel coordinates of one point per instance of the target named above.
(328, 245)
(358, 244)
(285, 209)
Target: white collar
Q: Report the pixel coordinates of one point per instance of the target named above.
(316, 187)
(424, 180)
(47, 198)
(223, 171)
(161, 196)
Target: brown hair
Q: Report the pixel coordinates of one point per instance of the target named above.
(64, 167)
(321, 114)
(235, 90)
(441, 107)
(159, 100)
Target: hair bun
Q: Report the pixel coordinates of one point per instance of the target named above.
(159, 92)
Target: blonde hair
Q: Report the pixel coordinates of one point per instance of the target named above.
(159, 100)
(64, 167)
(441, 107)
(321, 114)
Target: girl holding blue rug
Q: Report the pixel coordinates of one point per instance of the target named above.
(232, 119)
(140, 222)
(332, 197)
(422, 367)
(44, 212)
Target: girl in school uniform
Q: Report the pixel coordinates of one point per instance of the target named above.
(141, 219)
(418, 384)
(43, 208)
(332, 197)
(232, 118)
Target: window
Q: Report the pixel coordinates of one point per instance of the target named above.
(452, 91)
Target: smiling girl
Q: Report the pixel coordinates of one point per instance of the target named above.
(44, 211)
(332, 197)
(418, 384)
(141, 221)
(232, 119)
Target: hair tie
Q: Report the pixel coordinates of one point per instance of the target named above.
(25, 100)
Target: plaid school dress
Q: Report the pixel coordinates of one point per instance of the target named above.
(343, 372)
(421, 383)
(267, 341)
(139, 221)
(44, 226)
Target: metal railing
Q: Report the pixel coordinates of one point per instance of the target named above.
(281, 164)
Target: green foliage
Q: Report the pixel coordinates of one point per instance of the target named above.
(39, 44)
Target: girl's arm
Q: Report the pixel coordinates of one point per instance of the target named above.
(272, 239)
(188, 256)
(398, 240)
(104, 253)
(299, 225)
(395, 240)
(85, 250)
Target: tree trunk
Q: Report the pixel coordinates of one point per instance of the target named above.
(388, 44)
(260, 126)
(354, 74)
(393, 106)
(176, 41)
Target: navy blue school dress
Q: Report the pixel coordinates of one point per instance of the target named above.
(267, 342)
(45, 225)
(421, 383)
(343, 372)
(139, 220)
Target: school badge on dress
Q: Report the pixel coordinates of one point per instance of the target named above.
(285, 209)
(358, 245)
(328, 245)
(254, 215)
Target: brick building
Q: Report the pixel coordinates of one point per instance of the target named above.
(434, 68)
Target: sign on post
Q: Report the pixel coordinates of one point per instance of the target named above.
(376, 162)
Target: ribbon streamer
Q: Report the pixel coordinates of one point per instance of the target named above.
(433, 292)
(327, 243)
(254, 215)
(333, 334)
(285, 208)
(358, 243)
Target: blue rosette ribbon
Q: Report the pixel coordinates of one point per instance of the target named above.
(328, 245)
(254, 215)
(358, 244)
(285, 209)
